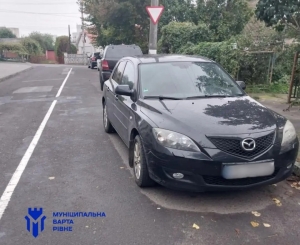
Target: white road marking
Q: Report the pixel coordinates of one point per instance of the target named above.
(63, 84)
(5, 198)
(9, 190)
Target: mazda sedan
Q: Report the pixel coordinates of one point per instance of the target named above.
(189, 126)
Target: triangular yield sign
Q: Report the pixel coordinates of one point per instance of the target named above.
(155, 13)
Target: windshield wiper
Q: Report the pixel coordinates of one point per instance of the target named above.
(212, 96)
(160, 97)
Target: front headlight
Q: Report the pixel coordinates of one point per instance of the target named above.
(289, 133)
(174, 140)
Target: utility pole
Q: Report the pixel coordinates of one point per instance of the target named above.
(69, 45)
(83, 34)
(153, 32)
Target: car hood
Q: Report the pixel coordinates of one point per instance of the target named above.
(210, 116)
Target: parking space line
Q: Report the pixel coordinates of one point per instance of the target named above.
(6, 196)
(63, 84)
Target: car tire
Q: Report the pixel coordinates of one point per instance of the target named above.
(140, 168)
(101, 81)
(106, 123)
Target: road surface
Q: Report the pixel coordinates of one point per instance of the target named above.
(55, 155)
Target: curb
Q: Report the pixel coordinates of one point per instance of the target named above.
(15, 74)
(296, 170)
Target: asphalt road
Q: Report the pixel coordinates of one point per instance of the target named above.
(77, 167)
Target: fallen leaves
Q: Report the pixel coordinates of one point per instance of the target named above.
(255, 213)
(196, 226)
(266, 225)
(296, 185)
(237, 231)
(277, 202)
(254, 224)
(51, 178)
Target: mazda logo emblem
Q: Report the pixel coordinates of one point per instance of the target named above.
(248, 144)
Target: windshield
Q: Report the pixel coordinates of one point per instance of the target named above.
(186, 79)
(122, 51)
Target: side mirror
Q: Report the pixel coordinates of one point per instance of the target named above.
(242, 84)
(123, 90)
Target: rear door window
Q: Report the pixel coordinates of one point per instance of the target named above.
(117, 76)
(122, 51)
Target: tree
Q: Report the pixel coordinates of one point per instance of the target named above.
(225, 18)
(6, 33)
(113, 23)
(45, 40)
(279, 13)
(179, 11)
(31, 46)
(62, 45)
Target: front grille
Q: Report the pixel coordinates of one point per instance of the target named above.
(218, 180)
(233, 146)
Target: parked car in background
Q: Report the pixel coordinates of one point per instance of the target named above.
(92, 61)
(112, 54)
(189, 126)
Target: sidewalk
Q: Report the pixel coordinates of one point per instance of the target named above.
(10, 69)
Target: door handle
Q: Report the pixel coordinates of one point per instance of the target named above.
(116, 97)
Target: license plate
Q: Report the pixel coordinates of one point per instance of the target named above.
(247, 170)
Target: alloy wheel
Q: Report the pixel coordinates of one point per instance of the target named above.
(137, 160)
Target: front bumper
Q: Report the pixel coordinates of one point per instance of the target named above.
(204, 174)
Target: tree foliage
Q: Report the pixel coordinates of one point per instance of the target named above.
(31, 46)
(177, 34)
(225, 18)
(62, 45)
(178, 11)
(279, 13)
(13, 47)
(6, 33)
(45, 40)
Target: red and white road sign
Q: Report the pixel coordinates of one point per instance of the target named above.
(155, 13)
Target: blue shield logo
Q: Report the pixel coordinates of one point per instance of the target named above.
(35, 221)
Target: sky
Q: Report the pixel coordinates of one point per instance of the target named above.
(45, 16)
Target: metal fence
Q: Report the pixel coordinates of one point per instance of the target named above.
(78, 59)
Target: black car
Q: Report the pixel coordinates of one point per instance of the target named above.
(111, 55)
(92, 61)
(189, 126)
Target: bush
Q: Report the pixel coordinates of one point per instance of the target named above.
(13, 47)
(175, 35)
(221, 52)
(31, 46)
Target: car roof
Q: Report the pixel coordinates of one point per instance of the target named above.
(160, 58)
(122, 45)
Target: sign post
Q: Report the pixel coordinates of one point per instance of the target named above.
(155, 13)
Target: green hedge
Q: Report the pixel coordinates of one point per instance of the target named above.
(176, 34)
(221, 52)
(13, 47)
